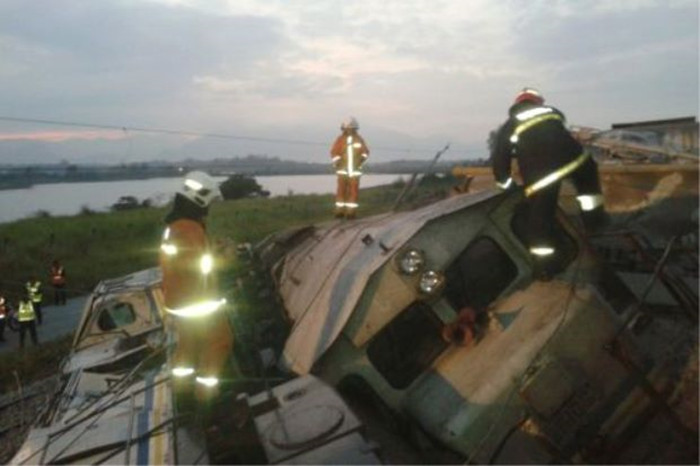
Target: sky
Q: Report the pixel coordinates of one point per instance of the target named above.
(277, 77)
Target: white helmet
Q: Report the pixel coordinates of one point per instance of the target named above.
(200, 188)
(349, 123)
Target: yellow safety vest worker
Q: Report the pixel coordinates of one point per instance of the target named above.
(26, 311)
(34, 290)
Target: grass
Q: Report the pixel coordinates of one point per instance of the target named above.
(97, 246)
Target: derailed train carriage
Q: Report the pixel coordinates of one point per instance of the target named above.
(112, 404)
(115, 402)
(539, 371)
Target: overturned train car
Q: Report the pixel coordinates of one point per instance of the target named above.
(436, 314)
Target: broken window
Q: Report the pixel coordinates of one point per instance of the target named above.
(406, 347)
(116, 316)
(479, 275)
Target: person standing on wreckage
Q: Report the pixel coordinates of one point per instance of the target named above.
(547, 153)
(348, 153)
(204, 337)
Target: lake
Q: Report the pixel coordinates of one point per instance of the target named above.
(70, 198)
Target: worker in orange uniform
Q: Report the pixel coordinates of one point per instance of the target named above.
(58, 281)
(349, 153)
(204, 338)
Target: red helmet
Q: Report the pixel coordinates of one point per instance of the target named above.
(529, 94)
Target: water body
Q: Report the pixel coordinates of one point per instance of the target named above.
(70, 198)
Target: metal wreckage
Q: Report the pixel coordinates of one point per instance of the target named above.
(421, 336)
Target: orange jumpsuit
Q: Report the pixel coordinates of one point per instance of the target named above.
(204, 336)
(348, 153)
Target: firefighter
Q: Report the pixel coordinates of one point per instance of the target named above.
(204, 338)
(547, 153)
(27, 320)
(33, 287)
(58, 281)
(349, 153)
(4, 311)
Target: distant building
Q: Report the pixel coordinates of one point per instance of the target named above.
(679, 133)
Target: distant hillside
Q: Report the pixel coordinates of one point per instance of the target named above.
(21, 176)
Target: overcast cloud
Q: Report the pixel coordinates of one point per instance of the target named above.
(416, 73)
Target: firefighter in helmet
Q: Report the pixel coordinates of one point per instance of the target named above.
(348, 153)
(204, 338)
(547, 154)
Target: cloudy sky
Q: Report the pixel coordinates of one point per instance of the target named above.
(415, 73)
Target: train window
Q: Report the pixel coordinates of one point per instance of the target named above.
(408, 345)
(116, 316)
(479, 274)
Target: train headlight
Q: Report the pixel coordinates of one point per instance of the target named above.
(431, 282)
(411, 261)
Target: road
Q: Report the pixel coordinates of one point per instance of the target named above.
(58, 321)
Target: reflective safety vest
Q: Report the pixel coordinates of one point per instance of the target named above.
(26, 311)
(187, 267)
(58, 275)
(3, 308)
(352, 152)
(34, 290)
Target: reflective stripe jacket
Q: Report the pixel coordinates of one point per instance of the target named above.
(25, 312)
(537, 136)
(349, 152)
(3, 308)
(183, 253)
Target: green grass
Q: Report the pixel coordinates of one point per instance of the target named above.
(98, 246)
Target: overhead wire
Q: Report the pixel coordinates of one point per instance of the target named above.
(179, 132)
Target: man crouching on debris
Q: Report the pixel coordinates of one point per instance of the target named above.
(204, 338)
(547, 153)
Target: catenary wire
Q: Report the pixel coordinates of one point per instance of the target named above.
(178, 132)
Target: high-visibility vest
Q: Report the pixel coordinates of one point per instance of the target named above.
(26, 311)
(58, 275)
(34, 290)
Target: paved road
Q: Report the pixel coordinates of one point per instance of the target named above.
(58, 321)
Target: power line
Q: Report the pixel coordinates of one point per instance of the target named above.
(177, 132)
